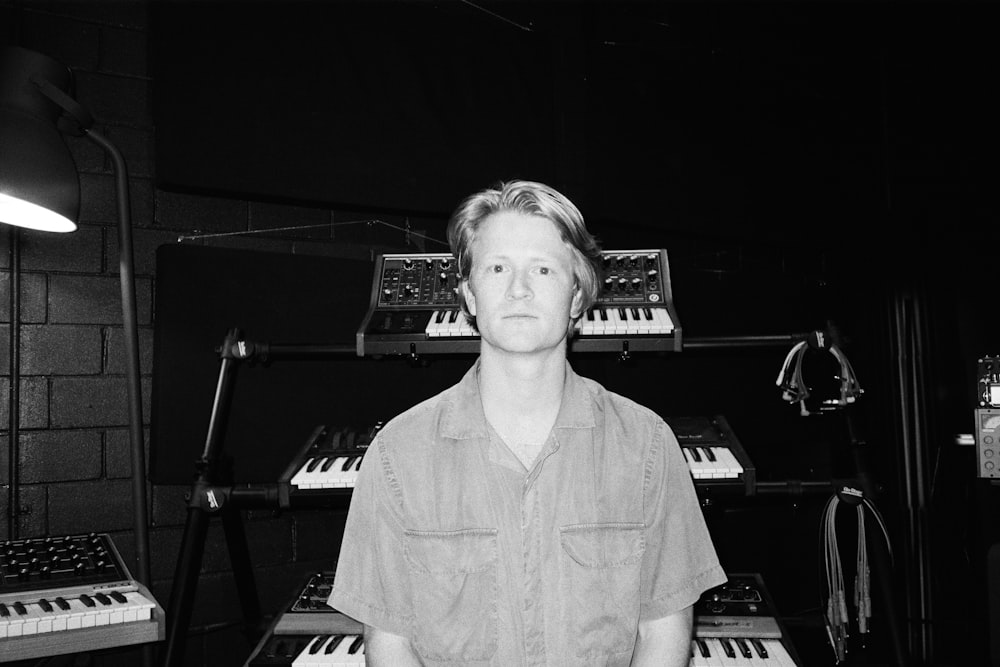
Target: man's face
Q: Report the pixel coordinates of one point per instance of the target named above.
(521, 289)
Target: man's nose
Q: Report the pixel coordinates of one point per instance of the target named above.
(519, 286)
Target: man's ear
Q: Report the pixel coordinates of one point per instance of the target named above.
(470, 299)
(574, 308)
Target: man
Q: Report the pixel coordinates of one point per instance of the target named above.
(526, 515)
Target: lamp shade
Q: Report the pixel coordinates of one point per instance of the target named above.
(39, 183)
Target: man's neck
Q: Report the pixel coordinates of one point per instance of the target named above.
(522, 395)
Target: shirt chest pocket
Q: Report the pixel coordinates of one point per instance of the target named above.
(453, 575)
(599, 584)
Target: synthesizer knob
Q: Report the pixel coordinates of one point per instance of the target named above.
(651, 276)
(633, 260)
(622, 284)
(445, 264)
(429, 264)
(443, 277)
(387, 294)
(407, 264)
(24, 574)
(636, 284)
(608, 284)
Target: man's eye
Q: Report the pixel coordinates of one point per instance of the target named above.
(544, 270)
(497, 268)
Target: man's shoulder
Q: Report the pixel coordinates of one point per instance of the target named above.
(420, 420)
(616, 405)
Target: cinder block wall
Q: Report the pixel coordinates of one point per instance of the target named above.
(74, 461)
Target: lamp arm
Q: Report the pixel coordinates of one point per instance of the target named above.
(126, 272)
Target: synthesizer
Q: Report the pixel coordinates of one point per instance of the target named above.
(714, 454)
(413, 309)
(310, 632)
(326, 467)
(737, 624)
(71, 594)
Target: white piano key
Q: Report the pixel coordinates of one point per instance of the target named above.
(300, 473)
(732, 464)
(698, 468)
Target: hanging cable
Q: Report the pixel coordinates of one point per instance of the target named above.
(793, 385)
(837, 618)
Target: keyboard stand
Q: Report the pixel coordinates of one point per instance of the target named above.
(211, 496)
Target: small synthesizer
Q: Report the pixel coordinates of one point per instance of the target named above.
(414, 308)
(69, 594)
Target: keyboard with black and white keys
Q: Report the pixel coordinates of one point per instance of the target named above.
(736, 624)
(326, 467)
(713, 454)
(308, 632)
(320, 650)
(414, 307)
(69, 594)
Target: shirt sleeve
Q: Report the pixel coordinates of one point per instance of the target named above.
(679, 562)
(371, 584)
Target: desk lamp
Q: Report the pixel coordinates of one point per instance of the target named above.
(40, 189)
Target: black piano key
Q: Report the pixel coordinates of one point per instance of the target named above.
(103, 599)
(360, 459)
(356, 645)
(590, 314)
(647, 313)
(118, 597)
(727, 648)
(19, 608)
(332, 646)
(693, 451)
(440, 316)
(709, 454)
(329, 464)
(621, 313)
(703, 648)
(87, 600)
(744, 649)
(453, 317)
(314, 463)
(604, 315)
(62, 604)
(348, 463)
(4, 612)
(317, 644)
(635, 313)
(759, 645)
(45, 605)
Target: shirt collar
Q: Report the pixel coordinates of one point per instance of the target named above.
(463, 418)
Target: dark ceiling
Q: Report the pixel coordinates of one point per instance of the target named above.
(811, 119)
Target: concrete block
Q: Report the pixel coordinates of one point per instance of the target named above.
(79, 251)
(34, 403)
(118, 453)
(34, 293)
(95, 300)
(59, 456)
(60, 350)
(114, 350)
